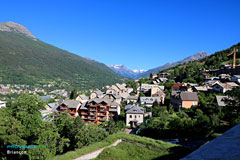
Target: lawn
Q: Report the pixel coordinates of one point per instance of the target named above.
(164, 149)
(130, 151)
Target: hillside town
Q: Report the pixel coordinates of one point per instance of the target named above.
(101, 105)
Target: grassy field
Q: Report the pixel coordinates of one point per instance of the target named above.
(164, 149)
(130, 151)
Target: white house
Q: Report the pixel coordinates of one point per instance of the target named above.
(134, 115)
(148, 101)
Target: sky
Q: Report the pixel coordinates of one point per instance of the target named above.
(141, 34)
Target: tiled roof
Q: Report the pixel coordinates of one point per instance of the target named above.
(189, 96)
(135, 110)
(177, 85)
(71, 103)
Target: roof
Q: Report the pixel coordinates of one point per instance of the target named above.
(220, 100)
(135, 110)
(83, 97)
(177, 85)
(98, 92)
(120, 86)
(114, 103)
(124, 95)
(223, 85)
(150, 99)
(127, 107)
(84, 106)
(47, 97)
(53, 105)
(212, 82)
(161, 93)
(113, 110)
(201, 88)
(237, 76)
(233, 84)
(189, 96)
(71, 103)
(132, 97)
(223, 147)
(99, 100)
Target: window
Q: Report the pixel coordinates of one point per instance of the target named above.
(139, 116)
(135, 116)
(130, 116)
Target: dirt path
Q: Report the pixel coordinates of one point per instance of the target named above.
(94, 154)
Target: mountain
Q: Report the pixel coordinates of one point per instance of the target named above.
(124, 71)
(196, 56)
(27, 60)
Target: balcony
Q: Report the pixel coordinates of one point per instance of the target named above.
(102, 110)
(102, 107)
(84, 113)
(72, 111)
(92, 110)
(84, 117)
(102, 115)
(93, 106)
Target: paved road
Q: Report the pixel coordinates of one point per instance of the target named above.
(94, 154)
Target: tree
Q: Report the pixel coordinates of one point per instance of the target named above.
(11, 131)
(132, 84)
(73, 94)
(27, 111)
(232, 109)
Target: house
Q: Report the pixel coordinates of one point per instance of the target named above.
(235, 78)
(201, 88)
(164, 75)
(221, 87)
(153, 76)
(124, 96)
(176, 86)
(2, 104)
(189, 99)
(112, 90)
(113, 97)
(148, 101)
(233, 84)
(163, 80)
(60, 92)
(52, 106)
(157, 92)
(129, 90)
(96, 94)
(224, 77)
(221, 101)
(147, 87)
(134, 115)
(121, 87)
(99, 110)
(210, 83)
(70, 106)
(133, 99)
(49, 108)
(82, 98)
(184, 99)
(205, 75)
